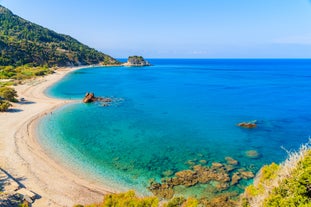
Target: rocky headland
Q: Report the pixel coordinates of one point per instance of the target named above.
(136, 61)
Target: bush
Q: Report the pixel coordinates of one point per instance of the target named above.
(125, 199)
(175, 202)
(287, 184)
(4, 105)
(191, 202)
(9, 94)
(296, 190)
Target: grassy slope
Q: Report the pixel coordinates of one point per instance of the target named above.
(287, 184)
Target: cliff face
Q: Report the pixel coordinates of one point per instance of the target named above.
(23, 42)
(136, 61)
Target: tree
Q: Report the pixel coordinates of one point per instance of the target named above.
(4, 105)
(9, 94)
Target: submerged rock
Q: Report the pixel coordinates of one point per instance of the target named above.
(231, 161)
(246, 174)
(220, 186)
(167, 173)
(187, 178)
(190, 163)
(162, 190)
(235, 178)
(217, 165)
(252, 154)
(219, 176)
(248, 125)
(203, 162)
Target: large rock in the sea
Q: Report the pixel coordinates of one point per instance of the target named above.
(89, 97)
(136, 61)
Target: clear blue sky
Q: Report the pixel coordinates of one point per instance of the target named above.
(179, 28)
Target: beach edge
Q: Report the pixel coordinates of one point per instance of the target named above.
(26, 160)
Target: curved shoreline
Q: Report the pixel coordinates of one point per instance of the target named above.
(24, 158)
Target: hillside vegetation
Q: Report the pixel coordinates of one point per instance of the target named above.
(7, 95)
(287, 184)
(25, 43)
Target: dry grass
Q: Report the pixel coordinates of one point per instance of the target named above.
(263, 187)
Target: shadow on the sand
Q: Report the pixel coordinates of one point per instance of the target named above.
(9, 176)
(26, 102)
(12, 110)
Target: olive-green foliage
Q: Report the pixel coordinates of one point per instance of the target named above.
(175, 202)
(191, 202)
(182, 202)
(295, 190)
(8, 94)
(24, 204)
(135, 57)
(267, 174)
(4, 105)
(23, 72)
(23, 42)
(7, 83)
(128, 199)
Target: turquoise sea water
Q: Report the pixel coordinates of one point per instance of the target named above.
(175, 111)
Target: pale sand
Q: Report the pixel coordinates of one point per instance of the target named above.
(23, 157)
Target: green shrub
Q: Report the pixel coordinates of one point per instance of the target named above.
(125, 199)
(175, 202)
(8, 94)
(288, 184)
(191, 202)
(4, 105)
(295, 190)
(24, 204)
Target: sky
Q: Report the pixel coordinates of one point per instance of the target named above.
(179, 28)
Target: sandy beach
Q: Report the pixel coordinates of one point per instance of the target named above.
(23, 158)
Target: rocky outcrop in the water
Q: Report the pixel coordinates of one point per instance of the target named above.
(219, 176)
(136, 61)
(90, 97)
(248, 125)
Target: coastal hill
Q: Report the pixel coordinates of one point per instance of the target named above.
(25, 43)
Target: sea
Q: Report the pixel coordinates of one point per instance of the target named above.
(176, 113)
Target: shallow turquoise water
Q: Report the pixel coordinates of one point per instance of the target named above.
(175, 111)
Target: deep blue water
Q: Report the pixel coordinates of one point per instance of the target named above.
(175, 111)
